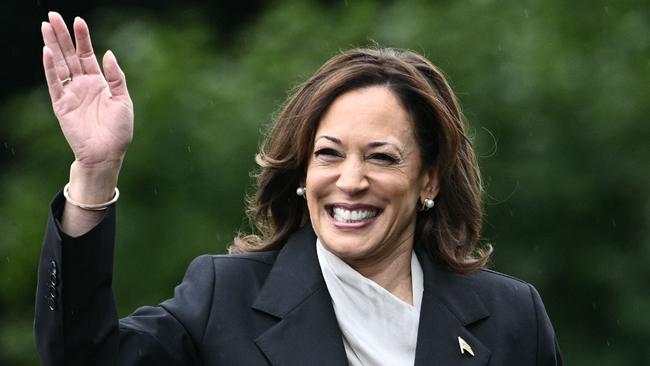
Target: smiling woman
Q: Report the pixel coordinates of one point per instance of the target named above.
(365, 180)
(369, 209)
(403, 110)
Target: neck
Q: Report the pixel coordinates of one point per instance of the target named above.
(392, 272)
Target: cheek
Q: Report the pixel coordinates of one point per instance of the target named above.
(319, 179)
(404, 200)
(396, 186)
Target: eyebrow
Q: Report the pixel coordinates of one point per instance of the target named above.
(331, 138)
(371, 144)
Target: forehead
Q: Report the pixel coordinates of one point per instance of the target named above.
(372, 113)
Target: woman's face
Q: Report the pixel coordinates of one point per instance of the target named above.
(364, 179)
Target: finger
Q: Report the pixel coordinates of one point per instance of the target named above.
(65, 43)
(53, 82)
(84, 47)
(114, 75)
(49, 38)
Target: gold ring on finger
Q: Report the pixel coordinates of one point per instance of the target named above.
(66, 81)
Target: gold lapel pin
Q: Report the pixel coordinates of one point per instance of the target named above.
(464, 347)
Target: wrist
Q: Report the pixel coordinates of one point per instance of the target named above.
(93, 184)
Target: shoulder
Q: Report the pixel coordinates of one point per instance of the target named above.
(488, 278)
(223, 263)
(511, 300)
(499, 289)
(518, 313)
(234, 270)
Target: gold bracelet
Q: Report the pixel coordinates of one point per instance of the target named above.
(90, 207)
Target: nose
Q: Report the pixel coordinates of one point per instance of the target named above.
(352, 177)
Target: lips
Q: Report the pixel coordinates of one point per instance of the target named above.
(345, 213)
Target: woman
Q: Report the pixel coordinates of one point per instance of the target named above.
(369, 208)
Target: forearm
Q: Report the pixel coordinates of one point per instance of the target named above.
(76, 321)
(75, 312)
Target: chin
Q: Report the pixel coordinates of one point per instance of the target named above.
(347, 247)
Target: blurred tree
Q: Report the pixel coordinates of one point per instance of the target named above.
(555, 93)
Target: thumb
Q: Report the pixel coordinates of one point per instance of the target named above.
(114, 75)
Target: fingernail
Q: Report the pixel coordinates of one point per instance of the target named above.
(43, 24)
(77, 18)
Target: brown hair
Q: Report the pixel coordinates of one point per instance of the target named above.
(450, 231)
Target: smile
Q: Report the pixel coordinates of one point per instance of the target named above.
(350, 215)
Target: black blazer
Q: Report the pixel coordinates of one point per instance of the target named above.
(269, 308)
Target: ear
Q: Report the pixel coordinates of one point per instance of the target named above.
(430, 183)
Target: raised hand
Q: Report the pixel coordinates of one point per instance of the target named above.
(95, 113)
(94, 110)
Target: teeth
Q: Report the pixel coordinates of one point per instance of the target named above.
(343, 215)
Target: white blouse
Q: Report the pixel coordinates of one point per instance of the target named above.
(378, 328)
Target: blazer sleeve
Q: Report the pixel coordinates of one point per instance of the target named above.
(548, 349)
(76, 320)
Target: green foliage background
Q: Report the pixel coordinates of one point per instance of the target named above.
(556, 94)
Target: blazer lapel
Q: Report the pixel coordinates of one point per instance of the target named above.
(307, 332)
(449, 304)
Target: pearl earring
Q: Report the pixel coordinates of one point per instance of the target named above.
(301, 191)
(427, 204)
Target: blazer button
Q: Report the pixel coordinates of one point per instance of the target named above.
(52, 292)
(53, 271)
(51, 303)
(51, 286)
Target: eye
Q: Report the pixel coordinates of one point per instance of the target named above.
(384, 158)
(327, 152)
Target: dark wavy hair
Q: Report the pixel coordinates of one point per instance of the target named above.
(451, 230)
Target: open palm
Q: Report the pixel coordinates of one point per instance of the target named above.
(94, 109)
